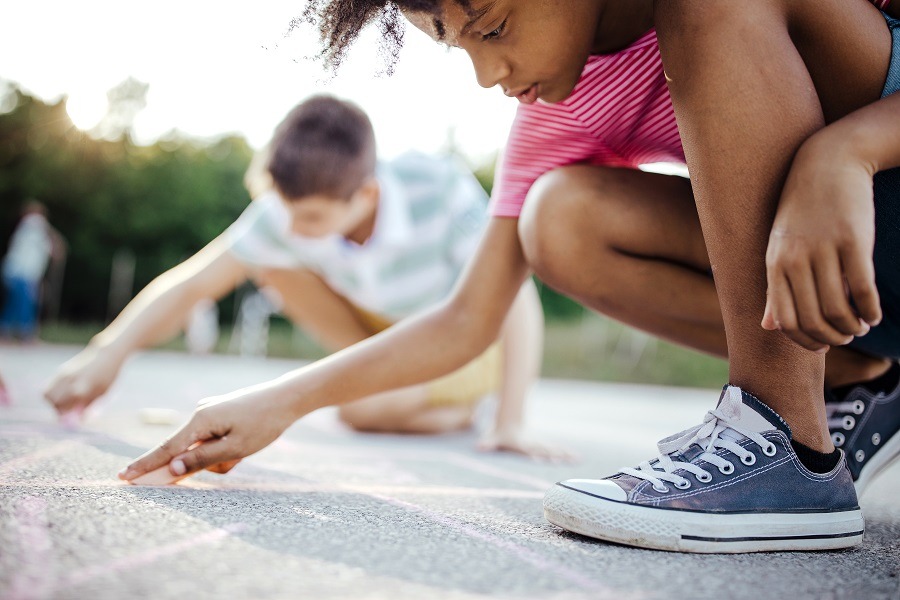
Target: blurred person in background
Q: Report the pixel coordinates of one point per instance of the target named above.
(33, 245)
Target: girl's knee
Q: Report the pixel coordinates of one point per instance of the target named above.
(556, 222)
(361, 417)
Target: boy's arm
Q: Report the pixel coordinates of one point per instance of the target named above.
(824, 230)
(416, 350)
(153, 316)
(522, 341)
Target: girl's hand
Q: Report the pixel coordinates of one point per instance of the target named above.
(821, 278)
(221, 432)
(515, 442)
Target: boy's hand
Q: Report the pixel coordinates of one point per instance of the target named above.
(515, 442)
(221, 432)
(819, 260)
(81, 380)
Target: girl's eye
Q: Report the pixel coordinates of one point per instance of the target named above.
(495, 33)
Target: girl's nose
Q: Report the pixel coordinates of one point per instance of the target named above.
(490, 70)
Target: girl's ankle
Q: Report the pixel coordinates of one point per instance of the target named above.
(844, 367)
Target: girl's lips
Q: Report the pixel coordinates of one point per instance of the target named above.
(529, 96)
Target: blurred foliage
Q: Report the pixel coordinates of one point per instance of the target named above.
(162, 202)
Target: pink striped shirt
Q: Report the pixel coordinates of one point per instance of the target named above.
(619, 115)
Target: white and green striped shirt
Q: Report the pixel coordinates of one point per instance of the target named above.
(431, 214)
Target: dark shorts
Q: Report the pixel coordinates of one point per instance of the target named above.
(884, 340)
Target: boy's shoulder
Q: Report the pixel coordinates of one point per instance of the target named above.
(430, 186)
(415, 165)
(425, 176)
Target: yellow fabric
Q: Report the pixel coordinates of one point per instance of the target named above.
(465, 386)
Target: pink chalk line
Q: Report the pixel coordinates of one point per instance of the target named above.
(302, 488)
(421, 455)
(20, 462)
(517, 550)
(36, 549)
(486, 469)
(128, 563)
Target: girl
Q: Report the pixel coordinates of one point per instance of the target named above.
(755, 86)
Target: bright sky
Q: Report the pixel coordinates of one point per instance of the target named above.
(220, 66)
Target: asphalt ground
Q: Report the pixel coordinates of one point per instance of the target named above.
(329, 513)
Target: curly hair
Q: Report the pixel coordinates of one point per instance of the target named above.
(340, 21)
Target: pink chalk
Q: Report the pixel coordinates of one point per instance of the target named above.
(5, 400)
(160, 476)
(71, 419)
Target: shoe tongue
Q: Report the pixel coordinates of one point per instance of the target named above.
(744, 409)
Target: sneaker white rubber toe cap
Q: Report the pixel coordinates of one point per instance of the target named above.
(601, 488)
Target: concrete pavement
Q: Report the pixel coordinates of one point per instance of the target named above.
(328, 513)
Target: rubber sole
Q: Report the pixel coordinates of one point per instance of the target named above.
(885, 456)
(685, 531)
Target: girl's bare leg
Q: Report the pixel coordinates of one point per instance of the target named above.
(745, 100)
(628, 244)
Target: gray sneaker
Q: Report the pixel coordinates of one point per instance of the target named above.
(732, 484)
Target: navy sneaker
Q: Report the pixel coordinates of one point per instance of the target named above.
(732, 484)
(864, 424)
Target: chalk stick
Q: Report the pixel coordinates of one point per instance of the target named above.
(72, 418)
(160, 476)
(159, 416)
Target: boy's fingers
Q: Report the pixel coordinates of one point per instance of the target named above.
(835, 304)
(860, 273)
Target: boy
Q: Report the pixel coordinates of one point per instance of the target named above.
(347, 248)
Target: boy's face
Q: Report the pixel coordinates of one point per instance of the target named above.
(320, 216)
(531, 48)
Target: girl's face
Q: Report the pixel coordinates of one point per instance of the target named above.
(530, 48)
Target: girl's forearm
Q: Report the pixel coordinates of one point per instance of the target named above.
(412, 352)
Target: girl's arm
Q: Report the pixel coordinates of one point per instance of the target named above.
(829, 189)
(414, 351)
(153, 316)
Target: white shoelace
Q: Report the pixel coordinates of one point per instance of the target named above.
(847, 421)
(718, 430)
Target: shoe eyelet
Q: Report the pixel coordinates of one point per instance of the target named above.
(838, 438)
(876, 438)
(859, 407)
(770, 450)
(683, 484)
(849, 423)
(859, 456)
(749, 459)
(704, 477)
(662, 490)
(726, 469)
